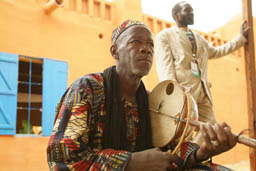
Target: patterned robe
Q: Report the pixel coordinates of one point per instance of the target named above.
(77, 136)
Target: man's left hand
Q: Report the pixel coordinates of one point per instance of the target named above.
(244, 29)
(217, 139)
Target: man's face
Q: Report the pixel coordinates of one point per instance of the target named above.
(135, 49)
(186, 15)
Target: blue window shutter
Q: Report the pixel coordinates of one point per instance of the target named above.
(8, 93)
(54, 85)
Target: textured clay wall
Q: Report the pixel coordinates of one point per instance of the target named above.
(23, 153)
(81, 39)
(229, 89)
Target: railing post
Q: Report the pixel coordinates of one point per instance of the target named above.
(250, 78)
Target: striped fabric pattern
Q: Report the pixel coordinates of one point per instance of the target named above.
(122, 27)
(76, 140)
(77, 136)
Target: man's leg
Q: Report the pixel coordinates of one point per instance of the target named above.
(205, 111)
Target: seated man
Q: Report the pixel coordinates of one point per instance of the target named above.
(102, 121)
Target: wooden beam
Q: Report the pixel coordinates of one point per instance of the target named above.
(250, 78)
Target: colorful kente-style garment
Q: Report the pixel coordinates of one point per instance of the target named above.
(77, 136)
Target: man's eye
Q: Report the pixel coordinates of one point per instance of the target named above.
(151, 44)
(135, 41)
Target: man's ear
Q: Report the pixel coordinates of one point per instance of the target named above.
(113, 52)
(175, 16)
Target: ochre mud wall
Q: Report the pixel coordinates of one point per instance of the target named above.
(23, 153)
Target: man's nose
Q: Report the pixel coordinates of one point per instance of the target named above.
(145, 48)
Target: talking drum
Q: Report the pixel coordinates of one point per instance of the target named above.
(168, 105)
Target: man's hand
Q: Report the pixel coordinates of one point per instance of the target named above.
(244, 29)
(149, 160)
(217, 139)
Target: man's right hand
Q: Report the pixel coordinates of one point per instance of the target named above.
(149, 160)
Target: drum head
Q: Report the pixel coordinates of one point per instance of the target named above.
(166, 99)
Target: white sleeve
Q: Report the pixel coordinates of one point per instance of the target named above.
(164, 59)
(231, 46)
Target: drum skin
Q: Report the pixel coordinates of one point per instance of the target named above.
(169, 99)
